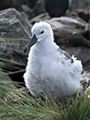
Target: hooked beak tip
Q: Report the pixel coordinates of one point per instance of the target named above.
(25, 50)
(31, 43)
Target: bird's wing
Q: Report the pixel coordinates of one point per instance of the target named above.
(66, 55)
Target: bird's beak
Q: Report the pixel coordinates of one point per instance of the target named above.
(31, 43)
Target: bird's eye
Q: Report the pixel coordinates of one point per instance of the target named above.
(41, 32)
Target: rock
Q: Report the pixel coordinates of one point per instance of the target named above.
(30, 3)
(4, 81)
(35, 11)
(77, 4)
(16, 4)
(85, 83)
(74, 15)
(87, 66)
(65, 26)
(56, 8)
(27, 10)
(39, 8)
(8, 3)
(85, 80)
(84, 14)
(15, 31)
(41, 17)
(79, 40)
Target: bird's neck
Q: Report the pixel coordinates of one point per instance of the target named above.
(44, 46)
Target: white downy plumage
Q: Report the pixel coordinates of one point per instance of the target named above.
(47, 62)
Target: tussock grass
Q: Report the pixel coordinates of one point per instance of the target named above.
(18, 105)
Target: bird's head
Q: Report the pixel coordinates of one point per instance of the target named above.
(40, 31)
